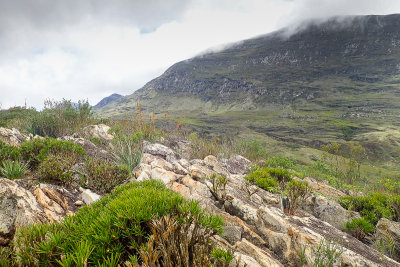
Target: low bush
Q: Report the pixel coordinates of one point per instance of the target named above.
(37, 150)
(297, 192)
(372, 207)
(223, 257)
(57, 169)
(103, 176)
(359, 227)
(119, 229)
(59, 118)
(280, 162)
(283, 176)
(263, 179)
(8, 152)
(13, 169)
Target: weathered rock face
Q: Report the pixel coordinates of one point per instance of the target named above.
(12, 137)
(20, 206)
(161, 151)
(256, 227)
(329, 211)
(99, 131)
(323, 188)
(236, 164)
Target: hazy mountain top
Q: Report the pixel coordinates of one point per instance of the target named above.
(107, 100)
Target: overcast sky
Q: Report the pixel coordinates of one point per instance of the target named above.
(89, 49)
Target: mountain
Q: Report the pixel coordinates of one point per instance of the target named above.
(107, 100)
(336, 80)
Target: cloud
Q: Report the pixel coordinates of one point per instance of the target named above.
(89, 49)
(324, 9)
(50, 14)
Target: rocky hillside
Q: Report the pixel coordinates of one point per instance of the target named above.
(323, 82)
(316, 63)
(257, 228)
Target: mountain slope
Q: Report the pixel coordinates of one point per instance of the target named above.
(108, 100)
(337, 80)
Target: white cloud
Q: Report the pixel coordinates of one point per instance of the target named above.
(91, 54)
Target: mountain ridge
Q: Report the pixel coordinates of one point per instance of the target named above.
(333, 81)
(107, 100)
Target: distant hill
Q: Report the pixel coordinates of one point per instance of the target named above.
(333, 81)
(107, 100)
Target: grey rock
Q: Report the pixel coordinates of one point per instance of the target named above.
(329, 211)
(233, 234)
(236, 164)
(161, 151)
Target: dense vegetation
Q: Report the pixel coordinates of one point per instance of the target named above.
(123, 227)
(57, 118)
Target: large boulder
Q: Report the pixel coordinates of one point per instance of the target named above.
(329, 211)
(12, 137)
(99, 131)
(20, 207)
(161, 151)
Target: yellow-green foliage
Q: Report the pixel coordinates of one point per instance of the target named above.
(374, 206)
(359, 227)
(114, 229)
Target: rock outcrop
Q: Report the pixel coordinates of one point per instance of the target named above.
(99, 131)
(256, 227)
(20, 206)
(12, 137)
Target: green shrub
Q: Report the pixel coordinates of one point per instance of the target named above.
(117, 228)
(57, 169)
(283, 176)
(8, 152)
(372, 207)
(280, 162)
(37, 150)
(297, 192)
(359, 227)
(263, 179)
(103, 176)
(60, 118)
(394, 203)
(13, 169)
